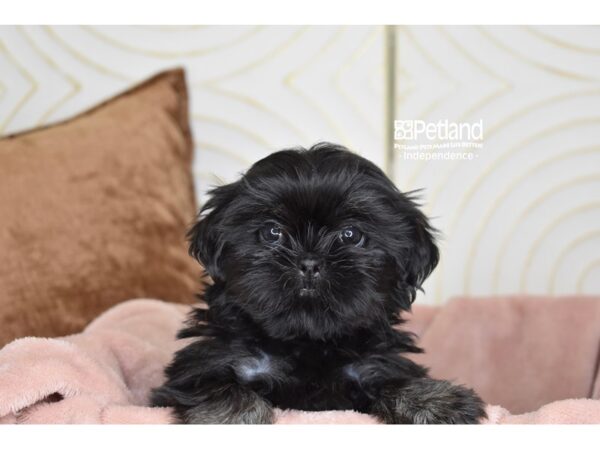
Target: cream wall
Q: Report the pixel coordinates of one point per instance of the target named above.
(522, 217)
(254, 89)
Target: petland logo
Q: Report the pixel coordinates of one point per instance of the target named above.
(423, 140)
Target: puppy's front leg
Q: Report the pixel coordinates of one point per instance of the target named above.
(207, 384)
(428, 401)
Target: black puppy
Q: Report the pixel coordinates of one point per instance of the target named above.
(313, 254)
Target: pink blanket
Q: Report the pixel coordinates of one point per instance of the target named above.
(526, 354)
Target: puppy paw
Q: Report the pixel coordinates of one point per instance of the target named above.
(427, 401)
(258, 413)
(231, 405)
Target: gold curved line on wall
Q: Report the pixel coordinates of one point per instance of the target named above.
(233, 126)
(288, 81)
(404, 29)
(84, 59)
(258, 62)
(505, 87)
(75, 86)
(513, 116)
(174, 28)
(454, 164)
(563, 254)
(490, 168)
(430, 107)
(295, 73)
(585, 273)
(33, 86)
(326, 117)
(166, 54)
(435, 193)
(559, 42)
(545, 67)
(440, 186)
(427, 55)
(350, 60)
(528, 210)
(439, 68)
(469, 57)
(254, 103)
(545, 102)
(547, 230)
(213, 84)
(434, 104)
(216, 148)
(509, 189)
(482, 225)
(402, 93)
(420, 166)
(514, 149)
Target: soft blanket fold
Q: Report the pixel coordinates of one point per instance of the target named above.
(104, 374)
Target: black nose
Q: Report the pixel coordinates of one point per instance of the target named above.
(309, 267)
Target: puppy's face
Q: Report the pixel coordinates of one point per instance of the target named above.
(315, 244)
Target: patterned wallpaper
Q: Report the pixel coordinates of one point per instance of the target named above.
(521, 217)
(524, 215)
(254, 89)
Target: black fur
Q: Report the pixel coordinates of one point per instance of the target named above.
(313, 254)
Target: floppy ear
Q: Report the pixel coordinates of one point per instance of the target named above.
(206, 235)
(421, 256)
(424, 254)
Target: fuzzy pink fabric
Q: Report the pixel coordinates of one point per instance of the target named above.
(521, 353)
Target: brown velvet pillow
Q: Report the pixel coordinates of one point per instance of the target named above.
(94, 211)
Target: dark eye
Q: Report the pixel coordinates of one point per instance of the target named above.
(271, 233)
(352, 236)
